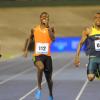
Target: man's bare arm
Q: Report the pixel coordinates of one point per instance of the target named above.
(83, 38)
(52, 33)
(28, 42)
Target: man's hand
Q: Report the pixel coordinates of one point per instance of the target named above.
(51, 33)
(25, 53)
(77, 61)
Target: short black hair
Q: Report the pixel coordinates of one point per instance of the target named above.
(44, 13)
(98, 13)
(95, 16)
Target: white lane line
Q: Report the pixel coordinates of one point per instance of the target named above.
(82, 90)
(17, 75)
(2, 82)
(61, 69)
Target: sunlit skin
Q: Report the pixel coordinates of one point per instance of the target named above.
(97, 20)
(96, 24)
(44, 19)
(44, 25)
(84, 37)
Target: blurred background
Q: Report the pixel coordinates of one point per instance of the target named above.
(69, 17)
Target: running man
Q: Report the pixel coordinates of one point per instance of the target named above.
(43, 36)
(91, 37)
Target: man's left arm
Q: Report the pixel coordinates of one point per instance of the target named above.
(52, 33)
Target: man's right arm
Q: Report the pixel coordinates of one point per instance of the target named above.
(27, 42)
(83, 38)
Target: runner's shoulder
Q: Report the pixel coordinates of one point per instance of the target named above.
(35, 27)
(87, 30)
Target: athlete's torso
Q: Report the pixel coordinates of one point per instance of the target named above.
(94, 32)
(93, 44)
(42, 41)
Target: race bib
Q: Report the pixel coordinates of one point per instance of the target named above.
(42, 48)
(97, 45)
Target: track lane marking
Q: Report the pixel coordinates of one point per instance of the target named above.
(82, 90)
(4, 81)
(19, 74)
(61, 69)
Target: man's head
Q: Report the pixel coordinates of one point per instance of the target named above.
(44, 18)
(97, 19)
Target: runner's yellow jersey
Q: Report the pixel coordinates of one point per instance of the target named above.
(94, 31)
(42, 41)
(93, 43)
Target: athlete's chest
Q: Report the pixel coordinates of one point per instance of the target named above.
(94, 31)
(43, 33)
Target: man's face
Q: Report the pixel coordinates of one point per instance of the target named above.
(97, 20)
(44, 18)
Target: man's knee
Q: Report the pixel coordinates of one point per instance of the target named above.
(40, 65)
(91, 77)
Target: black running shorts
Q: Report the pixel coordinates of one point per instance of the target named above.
(47, 61)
